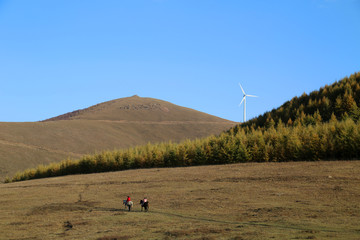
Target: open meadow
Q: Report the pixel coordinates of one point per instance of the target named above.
(292, 200)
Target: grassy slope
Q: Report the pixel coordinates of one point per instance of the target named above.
(297, 200)
(103, 127)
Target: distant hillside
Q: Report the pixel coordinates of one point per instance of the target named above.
(323, 125)
(116, 124)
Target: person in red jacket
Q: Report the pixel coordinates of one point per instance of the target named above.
(128, 199)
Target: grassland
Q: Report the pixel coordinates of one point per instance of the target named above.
(293, 200)
(116, 124)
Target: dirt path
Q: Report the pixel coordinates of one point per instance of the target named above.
(39, 148)
(167, 122)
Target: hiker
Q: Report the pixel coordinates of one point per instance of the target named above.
(145, 204)
(128, 203)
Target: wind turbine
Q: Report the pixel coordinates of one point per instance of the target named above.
(244, 100)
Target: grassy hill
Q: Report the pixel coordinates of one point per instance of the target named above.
(294, 200)
(311, 135)
(116, 124)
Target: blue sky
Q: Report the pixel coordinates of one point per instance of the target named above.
(62, 55)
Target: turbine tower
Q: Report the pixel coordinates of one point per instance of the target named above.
(244, 100)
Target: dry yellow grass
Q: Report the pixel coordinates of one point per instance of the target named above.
(116, 124)
(301, 200)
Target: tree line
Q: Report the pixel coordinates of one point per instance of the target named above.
(333, 140)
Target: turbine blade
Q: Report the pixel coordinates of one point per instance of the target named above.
(251, 96)
(242, 89)
(242, 101)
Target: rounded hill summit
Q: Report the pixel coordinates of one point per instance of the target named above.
(137, 108)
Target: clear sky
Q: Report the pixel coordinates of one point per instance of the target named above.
(57, 56)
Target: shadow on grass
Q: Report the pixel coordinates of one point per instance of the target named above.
(281, 225)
